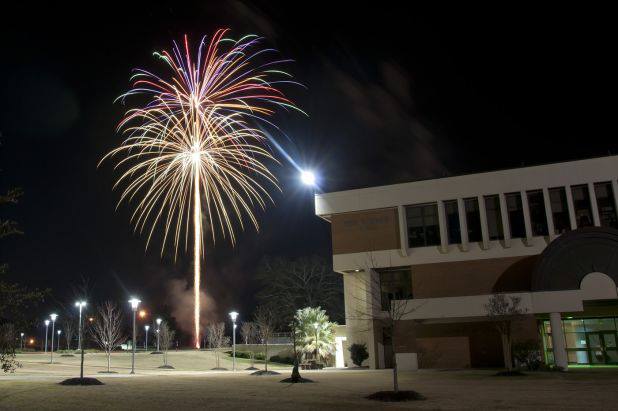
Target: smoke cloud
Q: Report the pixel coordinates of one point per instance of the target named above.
(180, 298)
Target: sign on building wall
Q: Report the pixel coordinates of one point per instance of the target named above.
(365, 231)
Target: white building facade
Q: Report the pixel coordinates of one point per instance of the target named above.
(547, 234)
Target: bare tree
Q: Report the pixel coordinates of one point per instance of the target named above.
(247, 332)
(291, 284)
(217, 339)
(385, 311)
(166, 337)
(69, 330)
(502, 311)
(107, 329)
(265, 323)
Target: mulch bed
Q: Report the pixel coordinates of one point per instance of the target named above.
(262, 372)
(81, 381)
(299, 380)
(166, 367)
(392, 396)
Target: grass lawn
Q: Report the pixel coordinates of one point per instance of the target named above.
(35, 386)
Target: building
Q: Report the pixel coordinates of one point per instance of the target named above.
(547, 234)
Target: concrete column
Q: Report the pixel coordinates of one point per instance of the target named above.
(484, 228)
(569, 198)
(527, 222)
(403, 230)
(557, 341)
(504, 214)
(463, 224)
(596, 220)
(548, 213)
(443, 228)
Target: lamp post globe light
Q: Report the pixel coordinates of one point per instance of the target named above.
(158, 329)
(80, 305)
(234, 316)
(134, 303)
(146, 327)
(53, 320)
(46, 331)
(307, 177)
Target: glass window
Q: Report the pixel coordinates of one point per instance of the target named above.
(571, 326)
(516, 215)
(575, 340)
(578, 357)
(600, 324)
(452, 222)
(423, 228)
(494, 217)
(395, 285)
(581, 203)
(605, 201)
(473, 218)
(559, 210)
(538, 218)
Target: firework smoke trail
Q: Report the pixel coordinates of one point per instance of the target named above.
(191, 151)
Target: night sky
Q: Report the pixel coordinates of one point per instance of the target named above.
(392, 95)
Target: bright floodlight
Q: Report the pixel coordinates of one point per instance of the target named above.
(22, 334)
(159, 321)
(59, 332)
(233, 316)
(53, 317)
(307, 177)
(80, 303)
(134, 303)
(147, 327)
(46, 322)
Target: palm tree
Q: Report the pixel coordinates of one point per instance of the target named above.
(315, 334)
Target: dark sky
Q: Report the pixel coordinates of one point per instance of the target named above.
(394, 94)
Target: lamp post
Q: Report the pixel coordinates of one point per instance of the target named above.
(158, 329)
(58, 332)
(134, 303)
(53, 319)
(147, 327)
(46, 331)
(234, 316)
(80, 305)
(21, 341)
(316, 326)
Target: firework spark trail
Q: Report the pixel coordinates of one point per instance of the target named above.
(190, 150)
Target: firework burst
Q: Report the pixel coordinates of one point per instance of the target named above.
(191, 151)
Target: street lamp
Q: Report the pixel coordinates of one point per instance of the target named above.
(316, 326)
(59, 332)
(234, 316)
(134, 303)
(46, 330)
(158, 329)
(147, 327)
(21, 341)
(307, 177)
(53, 319)
(80, 305)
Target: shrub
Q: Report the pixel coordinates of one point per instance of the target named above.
(282, 359)
(247, 354)
(527, 354)
(359, 353)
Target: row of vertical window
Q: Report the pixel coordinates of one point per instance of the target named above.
(424, 228)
